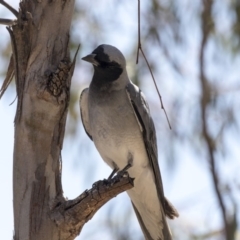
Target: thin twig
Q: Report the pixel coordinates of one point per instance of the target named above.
(159, 95)
(13, 101)
(17, 77)
(139, 32)
(10, 8)
(9, 76)
(75, 56)
(149, 67)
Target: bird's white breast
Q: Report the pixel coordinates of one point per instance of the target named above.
(116, 133)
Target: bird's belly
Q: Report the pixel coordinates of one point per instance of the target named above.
(118, 138)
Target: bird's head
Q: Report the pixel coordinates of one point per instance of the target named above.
(109, 63)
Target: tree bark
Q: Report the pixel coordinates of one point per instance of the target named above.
(43, 71)
(40, 45)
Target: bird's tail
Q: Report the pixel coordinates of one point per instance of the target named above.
(150, 232)
(170, 211)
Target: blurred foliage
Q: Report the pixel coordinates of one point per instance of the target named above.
(193, 48)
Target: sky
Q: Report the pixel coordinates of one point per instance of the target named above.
(188, 186)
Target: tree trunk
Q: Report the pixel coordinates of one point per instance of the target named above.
(40, 45)
(43, 72)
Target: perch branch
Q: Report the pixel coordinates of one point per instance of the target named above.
(71, 215)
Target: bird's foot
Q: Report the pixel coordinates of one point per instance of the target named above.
(126, 167)
(113, 177)
(115, 170)
(122, 173)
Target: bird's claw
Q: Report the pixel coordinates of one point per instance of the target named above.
(114, 177)
(115, 170)
(122, 173)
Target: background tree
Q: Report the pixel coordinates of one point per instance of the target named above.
(193, 48)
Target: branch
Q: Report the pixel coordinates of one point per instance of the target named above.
(10, 8)
(149, 67)
(73, 214)
(8, 22)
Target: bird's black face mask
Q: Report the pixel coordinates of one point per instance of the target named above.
(107, 71)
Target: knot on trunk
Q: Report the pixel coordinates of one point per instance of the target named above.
(58, 80)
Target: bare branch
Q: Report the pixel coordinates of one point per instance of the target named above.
(149, 67)
(8, 22)
(10, 8)
(73, 214)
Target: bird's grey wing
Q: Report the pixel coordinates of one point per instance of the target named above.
(83, 102)
(146, 125)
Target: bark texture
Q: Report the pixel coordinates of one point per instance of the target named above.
(43, 71)
(40, 46)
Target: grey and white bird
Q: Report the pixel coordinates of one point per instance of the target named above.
(117, 119)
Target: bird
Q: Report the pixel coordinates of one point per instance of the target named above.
(116, 117)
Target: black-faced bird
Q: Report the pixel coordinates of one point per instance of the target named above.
(117, 119)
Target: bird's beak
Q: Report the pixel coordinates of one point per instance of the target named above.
(91, 58)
